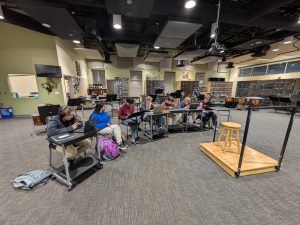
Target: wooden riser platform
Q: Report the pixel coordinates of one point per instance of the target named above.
(254, 162)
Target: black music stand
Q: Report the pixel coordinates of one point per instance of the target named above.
(159, 91)
(48, 111)
(134, 117)
(75, 102)
(111, 97)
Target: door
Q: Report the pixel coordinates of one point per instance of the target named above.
(99, 77)
(135, 83)
(169, 82)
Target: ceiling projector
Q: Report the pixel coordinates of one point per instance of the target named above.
(217, 48)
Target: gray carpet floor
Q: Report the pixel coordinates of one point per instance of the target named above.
(166, 182)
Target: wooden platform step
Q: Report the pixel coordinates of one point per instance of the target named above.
(254, 162)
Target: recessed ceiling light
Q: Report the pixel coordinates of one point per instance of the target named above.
(71, 35)
(1, 13)
(275, 49)
(258, 42)
(156, 47)
(117, 21)
(129, 2)
(190, 4)
(73, 12)
(251, 44)
(76, 41)
(299, 19)
(212, 35)
(46, 25)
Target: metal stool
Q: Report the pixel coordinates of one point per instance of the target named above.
(230, 127)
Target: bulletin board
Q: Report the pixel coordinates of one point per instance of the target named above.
(23, 85)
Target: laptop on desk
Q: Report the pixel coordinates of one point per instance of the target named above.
(193, 106)
(88, 126)
(157, 109)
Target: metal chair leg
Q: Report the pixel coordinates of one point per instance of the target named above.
(50, 156)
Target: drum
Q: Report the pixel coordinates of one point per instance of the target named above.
(255, 102)
(242, 101)
(228, 99)
(38, 120)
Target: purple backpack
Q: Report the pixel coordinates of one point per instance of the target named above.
(109, 150)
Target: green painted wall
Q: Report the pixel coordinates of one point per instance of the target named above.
(20, 50)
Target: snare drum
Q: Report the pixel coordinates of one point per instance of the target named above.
(38, 120)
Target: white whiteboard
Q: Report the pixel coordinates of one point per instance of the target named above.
(23, 85)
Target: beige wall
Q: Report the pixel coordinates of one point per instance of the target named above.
(113, 70)
(20, 50)
(66, 58)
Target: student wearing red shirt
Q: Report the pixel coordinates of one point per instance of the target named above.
(126, 110)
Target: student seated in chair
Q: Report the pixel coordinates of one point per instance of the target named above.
(66, 122)
(169, 103)
(207, 114)
(185, 104)
(104, 125)
(125, 111)
(149, 107)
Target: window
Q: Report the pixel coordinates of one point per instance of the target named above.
(245, 72)
(259, 70)
(293, 67)
(276, 68)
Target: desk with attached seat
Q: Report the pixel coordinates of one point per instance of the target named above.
(67, 174)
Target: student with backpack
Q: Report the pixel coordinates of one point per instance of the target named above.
(105, 127)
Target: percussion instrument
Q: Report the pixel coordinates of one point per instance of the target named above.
(242, 101)
(255, 102)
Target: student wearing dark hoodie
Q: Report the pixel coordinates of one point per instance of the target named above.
(105, 126)
(66, 122)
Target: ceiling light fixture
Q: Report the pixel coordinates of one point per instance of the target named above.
(46, 25)
(288, 40)
(117, 21)
(190, 4)
(71, 35)
(76, 41)
(258, 42)
(299, 19)
(275, 49)
(156, 47)
(129, 2)
(1, 13)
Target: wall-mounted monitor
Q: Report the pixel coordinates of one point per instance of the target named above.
(47, 71)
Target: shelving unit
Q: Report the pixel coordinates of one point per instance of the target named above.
(187, 86)
(218, 88)
(152, 85)
(266, 88)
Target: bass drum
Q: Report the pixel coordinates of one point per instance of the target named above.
(38, 120)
